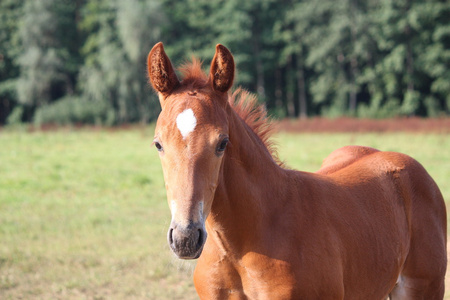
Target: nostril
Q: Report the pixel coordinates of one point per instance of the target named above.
(170, 236)
(200, 238)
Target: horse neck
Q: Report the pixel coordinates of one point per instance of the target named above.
(249, 188)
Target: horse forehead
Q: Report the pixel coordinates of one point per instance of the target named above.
(186, 122)
(191, 111)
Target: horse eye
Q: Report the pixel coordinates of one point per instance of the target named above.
(223, 144)
(158, 146)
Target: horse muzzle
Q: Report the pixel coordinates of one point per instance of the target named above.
(187, 242)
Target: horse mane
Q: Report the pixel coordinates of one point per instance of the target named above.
(244, 103)
(193, 73)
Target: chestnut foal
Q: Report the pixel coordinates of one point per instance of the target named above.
(367, 225)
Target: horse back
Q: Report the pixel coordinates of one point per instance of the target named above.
(344, 157)
(356, 167)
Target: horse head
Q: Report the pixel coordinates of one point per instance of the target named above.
(191, 136)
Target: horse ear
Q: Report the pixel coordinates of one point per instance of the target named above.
(160, 71)
(221, 74)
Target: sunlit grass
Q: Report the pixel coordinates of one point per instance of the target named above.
(83, 214)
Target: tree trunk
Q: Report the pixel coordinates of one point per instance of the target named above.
(303, 106)
(290, 89)
(259, 66)
(353, 61)
(409, 57)
(278, 89)
(354, 87)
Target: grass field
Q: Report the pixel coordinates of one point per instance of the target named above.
(83, 214)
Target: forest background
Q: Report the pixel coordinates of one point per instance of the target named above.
(84, 61)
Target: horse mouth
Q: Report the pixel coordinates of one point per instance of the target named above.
(187, 253)
(191, 256)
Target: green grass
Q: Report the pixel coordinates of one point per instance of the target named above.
(83, 214)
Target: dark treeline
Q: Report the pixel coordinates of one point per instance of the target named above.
(84, 61)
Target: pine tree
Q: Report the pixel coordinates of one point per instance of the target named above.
(411, 73)
(47, 63)
(121, 33)
(10, 13)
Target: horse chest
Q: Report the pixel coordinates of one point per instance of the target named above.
(254, 276)
(266, 281)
